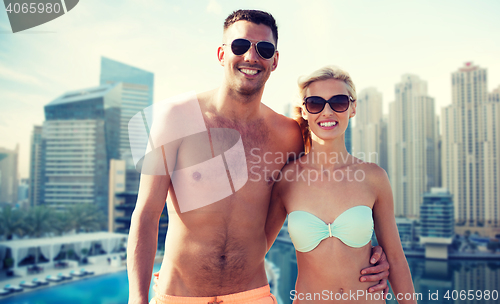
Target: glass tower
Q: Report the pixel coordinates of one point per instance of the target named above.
(36, 167)
(137, 94)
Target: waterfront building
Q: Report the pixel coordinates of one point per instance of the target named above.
(437, 223)
(116, 185)
(8, 175)
(36, 167)
(123, 190)
(124, 207)
(80, 137)
(367, 131)
(407, 232)
(471, 149)
(412, 145)
(136, 94)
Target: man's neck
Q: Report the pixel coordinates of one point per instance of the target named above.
(233, 105)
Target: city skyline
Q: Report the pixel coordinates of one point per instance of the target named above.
(412, 145)
(376, 43)
(471, 148)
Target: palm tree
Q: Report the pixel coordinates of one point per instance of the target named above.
(39, 221)
(62, 222)
(87, 218)
(12, 221)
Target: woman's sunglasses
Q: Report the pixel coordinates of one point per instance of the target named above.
(265, 49)
(338, 103)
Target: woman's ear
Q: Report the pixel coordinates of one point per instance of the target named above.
(353, 111)
(303, 112)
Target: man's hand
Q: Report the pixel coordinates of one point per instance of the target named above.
(378, 273)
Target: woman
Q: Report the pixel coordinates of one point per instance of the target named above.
(334, 200)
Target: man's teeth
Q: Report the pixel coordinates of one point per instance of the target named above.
(328, 124)
(249, 72)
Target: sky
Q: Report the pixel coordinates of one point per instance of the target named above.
(375, 41)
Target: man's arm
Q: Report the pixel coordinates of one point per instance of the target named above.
(143, 235)
(276, 215)
(378, 273)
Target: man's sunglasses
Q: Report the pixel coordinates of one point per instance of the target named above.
(338, 103)
(265, 49)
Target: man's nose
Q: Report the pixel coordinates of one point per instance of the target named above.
(251, 55)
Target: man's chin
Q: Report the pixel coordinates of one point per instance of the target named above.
(248, 91)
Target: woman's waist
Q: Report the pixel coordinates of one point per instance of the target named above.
(335, 264)
(342, 287)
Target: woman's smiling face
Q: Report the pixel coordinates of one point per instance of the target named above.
(328, 124)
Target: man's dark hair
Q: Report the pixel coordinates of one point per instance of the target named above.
(254, 16)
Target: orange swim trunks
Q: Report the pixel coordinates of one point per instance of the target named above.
(261, 295)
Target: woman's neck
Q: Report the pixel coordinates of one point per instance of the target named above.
(328, 153)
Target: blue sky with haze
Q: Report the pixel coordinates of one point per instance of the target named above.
(375, 41)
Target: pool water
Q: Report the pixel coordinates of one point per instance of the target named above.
(105, 289)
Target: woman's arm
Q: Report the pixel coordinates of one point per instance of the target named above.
(388, 236)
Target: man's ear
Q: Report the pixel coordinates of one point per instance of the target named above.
(275, 60)
(220, 55)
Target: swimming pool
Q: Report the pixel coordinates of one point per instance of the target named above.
(105, 289)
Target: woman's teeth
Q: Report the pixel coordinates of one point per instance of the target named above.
(328, 124)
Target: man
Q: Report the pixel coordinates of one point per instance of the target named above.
(216, 251)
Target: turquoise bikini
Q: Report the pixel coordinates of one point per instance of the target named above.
(354, 227)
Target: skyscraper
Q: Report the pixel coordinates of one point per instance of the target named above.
(137, 94)
(383, 157)
(412, 145)
(470, 148)
(367, 132)
(80, 137)
(8, 175)
(495, 95)
(36, 168)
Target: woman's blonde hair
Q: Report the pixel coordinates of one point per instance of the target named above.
(325, 73)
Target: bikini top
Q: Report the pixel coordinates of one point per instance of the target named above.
(354, 227)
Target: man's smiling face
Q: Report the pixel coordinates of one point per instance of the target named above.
(246, 74)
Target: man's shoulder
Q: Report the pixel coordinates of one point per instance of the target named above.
(285, 129)
(279, 122)
(204, 97)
